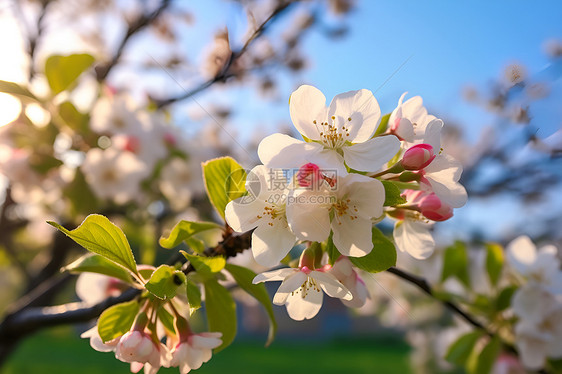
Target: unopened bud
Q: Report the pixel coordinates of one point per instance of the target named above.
(434, 209)
(418, 157)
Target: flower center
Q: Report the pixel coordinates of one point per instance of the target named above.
(272, 212)
(330, 135)
(344, 207)
(307, 285)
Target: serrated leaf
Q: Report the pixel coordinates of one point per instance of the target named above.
(193, 295)
(392, 194)
(455, 264)
(494, 262)
(62, 71)
(487, 357)
(206, 266)
(164, 282)
(244, 278)
(383, 125)
(224, 181)
(503, 300)
(459, 352)
(381, 257)
(332, 251)
(184, 230)
(117, 320)
(99, 235)
(221, 312)
(98, 264)
(15, 89)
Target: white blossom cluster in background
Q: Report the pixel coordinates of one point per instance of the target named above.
(329, 187)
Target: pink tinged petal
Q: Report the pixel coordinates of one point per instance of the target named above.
(352, 237)
(200, 341)
(414, 238)
(521, 253)
(308, 214)
(372, 154)
(331, 285)
(366, 195)
(290, 284)
(363, 110)
(275, 275)
(300, 308)
(443, 174)
(96, 342)
(243, 217)
(194, 358)
(136, 367)
(360, 295)
(306, 105)
(283, 151)
(270, 244)
(184, 367)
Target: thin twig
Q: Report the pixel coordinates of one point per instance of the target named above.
(225, 72)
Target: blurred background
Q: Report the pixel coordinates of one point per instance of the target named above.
(110, 107)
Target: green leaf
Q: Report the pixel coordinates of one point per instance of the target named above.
(487, 357)
(98, 264)
(244, 278)
(42, 163)
(15, 89)
(494, 262)
(164, 282)
(193, 295)
(504, 298)
(381, 257)
(184, 230)
(117, 320)
(221, 312)
(62, 71)
(383, 125)
(196, 245)
(459, 352)
(224, 181)
(99, 235)
(455, 263)
(392, 194)
(206, 266)
(332, 251)
(167, 320)
(72, 117)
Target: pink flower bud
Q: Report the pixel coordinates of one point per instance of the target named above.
(170, 139)
(309, 175)
(434, 209)
(418, 157)
(137, 346)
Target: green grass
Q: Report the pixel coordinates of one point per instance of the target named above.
(60, 351)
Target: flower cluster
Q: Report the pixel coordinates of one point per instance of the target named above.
(538, 302)
(353, 169)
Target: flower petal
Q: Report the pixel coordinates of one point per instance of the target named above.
(331, 285)
(200, 341)
(307, 104)
(521, 253)
(366, 195)
(290, 284)
(358, 112)
(352, 237)
(271, 243)
(443, 174)
(308, 214)
(414, 238)
(243, 217)
(283, 151)
(432, 134)
(274, 275)
(372, 154)
(302, 307)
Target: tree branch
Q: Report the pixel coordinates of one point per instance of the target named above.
(225, 72)
(140, 23)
